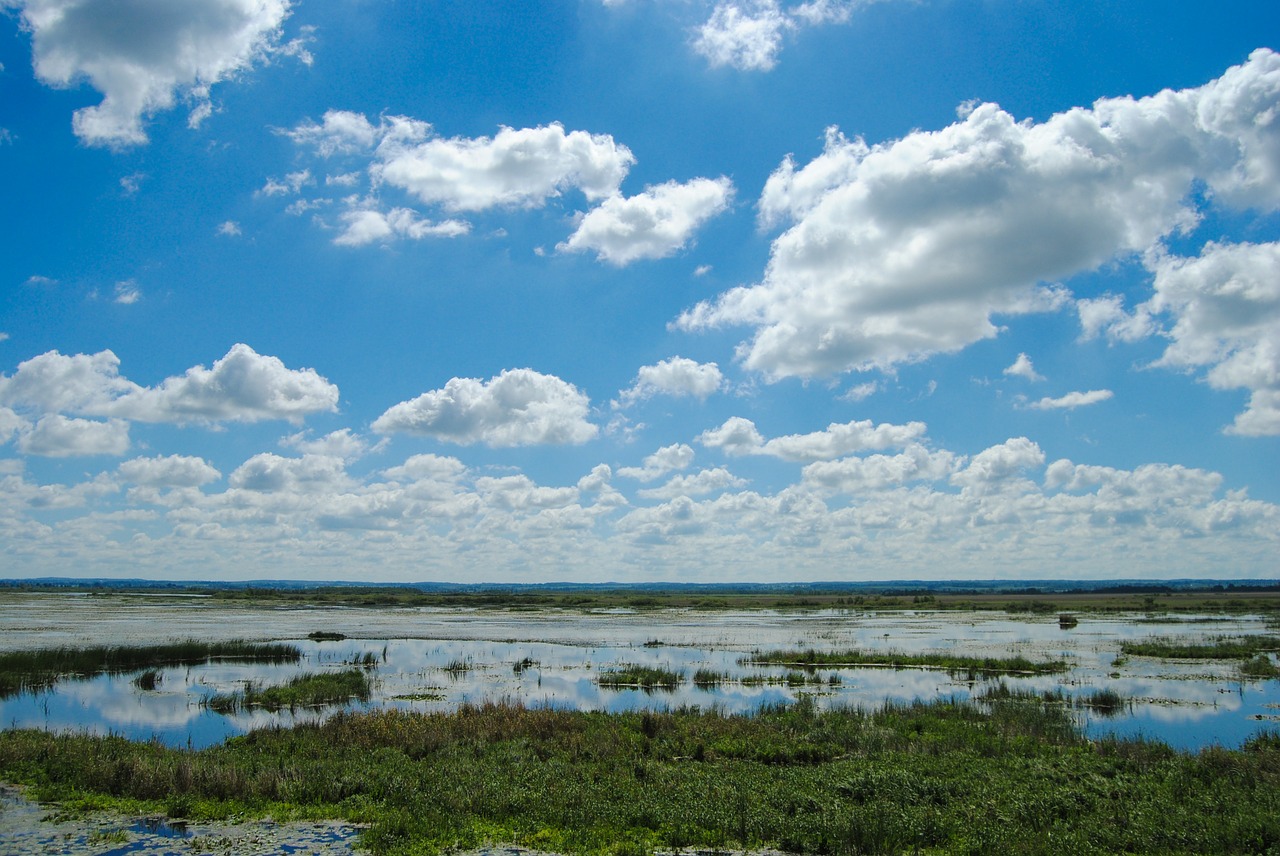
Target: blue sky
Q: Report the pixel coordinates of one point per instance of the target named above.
(639, 290)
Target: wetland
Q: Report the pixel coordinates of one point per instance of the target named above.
(629, 729)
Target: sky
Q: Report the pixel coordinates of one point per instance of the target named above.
(639, 290)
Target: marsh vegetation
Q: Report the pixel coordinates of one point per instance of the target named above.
(307, 690)
(37, 669)
(1005, 774)
(950, 663)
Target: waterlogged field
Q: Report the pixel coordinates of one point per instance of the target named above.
(434, 659)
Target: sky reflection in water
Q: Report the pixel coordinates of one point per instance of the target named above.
(1185, 704)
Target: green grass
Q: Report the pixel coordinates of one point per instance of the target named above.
(709, 678)
(1259, 667)
(1010, 774)
(647, 677)
(39, 669)
(1220, 648)
(311, 690)
(952, 663)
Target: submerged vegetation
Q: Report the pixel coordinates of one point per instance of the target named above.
(311, 690)
(1010, 773)
(951, 663)
(38, 669)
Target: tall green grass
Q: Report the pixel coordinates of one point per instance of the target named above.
(311, 690)
(41, 668)
(1008, 775)
(646, 677)
(1219, 648)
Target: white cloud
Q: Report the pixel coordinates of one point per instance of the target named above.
(1226, 310)
(878, 472)
(229, 228)
(861, 391)
(127, 293)
(169, 471)
(515, 167)
(52, 382)
(698, 484)
(340, 132)
(748, 35)
(651, 225)
(1106, 315)
(999, 465)
(243, 386)
(341, 444)
(746, 38)
(310, 474)
(367, 226)
(1023, 368)
(56, 436)
(909, 248)
(519, 407)
(143, 56)
(10, 424)
(738, 436)
(1072, 400)
(668, 459)
(677, 376)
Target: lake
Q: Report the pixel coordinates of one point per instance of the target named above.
(436, 659)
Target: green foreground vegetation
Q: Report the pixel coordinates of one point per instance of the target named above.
(309, 690)
(1009, 774)
(38, 669)
(952, 663)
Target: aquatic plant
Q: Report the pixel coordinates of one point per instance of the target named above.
(1218, 648)
(41, 668)
(309, 690)
(632, 675)
(952, 663)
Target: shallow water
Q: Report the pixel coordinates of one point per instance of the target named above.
(1188, 705)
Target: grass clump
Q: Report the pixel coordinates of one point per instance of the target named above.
(709, 678)
(1008, 775)
(312, 690)
(1220, 648)
(1259, 667)
(952, 663)
(41, 668)
(645, 677)
(326, 636)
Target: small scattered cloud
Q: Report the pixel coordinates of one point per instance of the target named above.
(677, 377)
(668, 459)
(229, 228)
(651, 225)
(748, 35)
(1072, 400)
(1023, 368)
(131, 184)
(40, 281)
(126, 293)
(739, 436)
